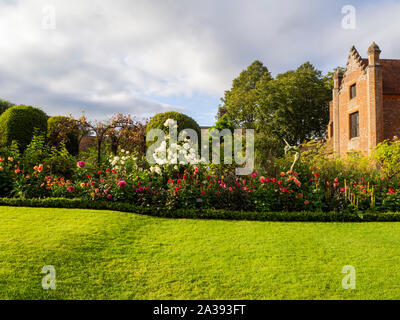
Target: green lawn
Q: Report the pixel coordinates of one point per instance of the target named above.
(113, 255)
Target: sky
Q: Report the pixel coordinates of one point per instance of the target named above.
(143, 57)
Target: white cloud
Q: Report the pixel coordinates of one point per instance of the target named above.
(134, 56)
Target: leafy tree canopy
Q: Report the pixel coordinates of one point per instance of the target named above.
(241, 102)
(294, 105)
(224, 123)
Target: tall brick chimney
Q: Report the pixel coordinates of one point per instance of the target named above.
(373, 54)
(375, 96)
(337, 80)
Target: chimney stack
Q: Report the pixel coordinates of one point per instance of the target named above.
(373, 54)
(375, 97)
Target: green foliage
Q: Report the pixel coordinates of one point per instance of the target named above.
(9, 156)
(387, 155)
(224, 123)
(6, 183)
(348, 183)
(30, 186)
(11, 151)
(242, 101)
(315, 158)
(317, 185)
(267, 148)
(90, 156)
(35, 152)
(320, 182)
(295, 106)
(329, 76)
(183, 121)
(4, 105)
(60, 162)
(56, 161)
(62, 129)
(305, 216)
(19, 124)
(24, 175)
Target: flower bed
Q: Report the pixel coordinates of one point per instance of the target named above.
(192, 187)
(320, 185)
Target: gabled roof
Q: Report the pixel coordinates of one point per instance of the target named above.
(354, 55)
(363, 63)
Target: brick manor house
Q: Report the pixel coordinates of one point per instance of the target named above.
(365, 109)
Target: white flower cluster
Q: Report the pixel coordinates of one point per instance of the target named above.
(170, 122)
(175, 153)
(156, 170)
(118, 162)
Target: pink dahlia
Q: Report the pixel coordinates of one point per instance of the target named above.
(81, 164)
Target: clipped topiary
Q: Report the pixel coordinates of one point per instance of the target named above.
(183, 121)
(19, 123)
(63, 129)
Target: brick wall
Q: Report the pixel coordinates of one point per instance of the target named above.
(356, 73)
(377, 101)
(391, 116)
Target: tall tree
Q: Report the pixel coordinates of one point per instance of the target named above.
(241, 101)
(295, 106)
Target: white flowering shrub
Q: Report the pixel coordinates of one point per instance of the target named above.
(125, 162)
(173, 155)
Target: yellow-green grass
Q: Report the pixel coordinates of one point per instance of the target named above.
(114, 255)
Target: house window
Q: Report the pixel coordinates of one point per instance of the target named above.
(354, 125)
(331, 130)
(353, 91)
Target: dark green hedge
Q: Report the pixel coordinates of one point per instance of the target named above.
(19, 124)
(60, 123)
(304, 216)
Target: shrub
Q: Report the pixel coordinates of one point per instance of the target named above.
(60, 162)
(56, 161)
(315, 158)
(203, 213)
(19, 124)
(62, 129)
(6, 182)
(8, 157)
(4, 105)
(183, 121)
(387, 156)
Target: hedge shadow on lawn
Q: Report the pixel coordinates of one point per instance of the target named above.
(303, 216)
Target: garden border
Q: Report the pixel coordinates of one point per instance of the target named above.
(212, 214)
